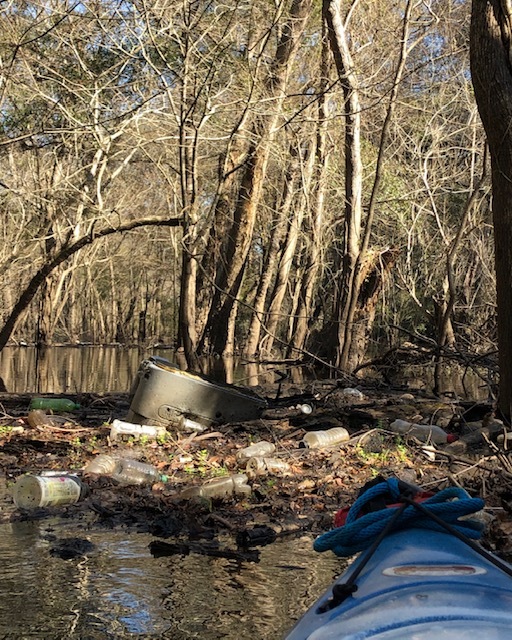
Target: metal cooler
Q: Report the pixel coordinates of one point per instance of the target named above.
(162, 393)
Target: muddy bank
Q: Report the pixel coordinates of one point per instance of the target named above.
(304, 497)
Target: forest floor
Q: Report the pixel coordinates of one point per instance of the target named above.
(305, 498)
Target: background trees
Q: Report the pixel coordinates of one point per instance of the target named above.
(266, 177)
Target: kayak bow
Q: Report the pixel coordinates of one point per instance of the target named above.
(416, 580)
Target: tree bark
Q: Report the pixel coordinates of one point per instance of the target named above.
(491, 71)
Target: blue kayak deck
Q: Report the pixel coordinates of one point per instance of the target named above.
(419, 584)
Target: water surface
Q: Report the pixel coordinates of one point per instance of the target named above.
(120, 591)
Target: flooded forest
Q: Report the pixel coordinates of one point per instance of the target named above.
(260, 179)
(291, 197)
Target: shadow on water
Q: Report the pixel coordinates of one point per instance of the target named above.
(121, 591)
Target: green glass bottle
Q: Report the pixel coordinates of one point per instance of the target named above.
(53, 404)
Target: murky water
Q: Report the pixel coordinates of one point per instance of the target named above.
(112, 369)
(121, 591)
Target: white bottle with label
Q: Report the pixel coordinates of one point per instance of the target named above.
(31, 492)
(123, 428)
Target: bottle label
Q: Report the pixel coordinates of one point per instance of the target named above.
(58, 490)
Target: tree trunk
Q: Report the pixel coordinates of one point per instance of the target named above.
(491, 70)
(314, 248)
(278, 234)
(231, 268)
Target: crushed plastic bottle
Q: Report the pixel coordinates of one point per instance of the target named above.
(258, 466)
(349, 392)
(257, 449)
(423, 432)
(125, 470)
(53, 404)
(120, 428)
(327, 438)
(219, 488)
(55, 489)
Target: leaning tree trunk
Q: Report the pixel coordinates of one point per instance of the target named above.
(491, 70)
(277, 236)
(231, 268)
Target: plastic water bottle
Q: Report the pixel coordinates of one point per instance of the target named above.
(31, 492)
(328, 438)
(53, 404)
(125, 470)
(122, 428)
(135, 472)
(424, 432)
(258, 466)
(219, 488)
(258, 449)
(103, 465)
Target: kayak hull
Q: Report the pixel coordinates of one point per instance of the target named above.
(419, 584)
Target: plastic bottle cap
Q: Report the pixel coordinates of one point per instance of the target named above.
(451, 437)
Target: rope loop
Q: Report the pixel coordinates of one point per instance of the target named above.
(359, 531)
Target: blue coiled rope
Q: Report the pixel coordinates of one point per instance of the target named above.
(358, 533)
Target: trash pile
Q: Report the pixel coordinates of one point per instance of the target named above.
(193, 451)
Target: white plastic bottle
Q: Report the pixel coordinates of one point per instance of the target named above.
(262, 448)
(330, 437)
(123, 428)
(423, 432)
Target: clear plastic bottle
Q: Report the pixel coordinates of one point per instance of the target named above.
(31, 492)
(38, 418)
(53, 404)
(318, 439)
(135, 472)
(219, 488)
(258, 449)
(350, 392)
(125, 470)
(258, 466)
(123, 428)
(103, 464)
(423, 432)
